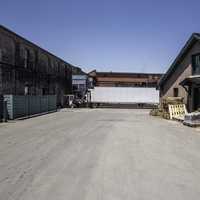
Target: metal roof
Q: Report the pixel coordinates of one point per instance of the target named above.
(191, 80)
(111, 73)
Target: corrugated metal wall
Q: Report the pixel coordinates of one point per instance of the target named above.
(22, 106)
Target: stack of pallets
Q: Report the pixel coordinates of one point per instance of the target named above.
(172, 101)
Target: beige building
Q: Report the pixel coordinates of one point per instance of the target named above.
(183, 77)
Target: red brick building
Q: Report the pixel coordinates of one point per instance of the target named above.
(124, 79)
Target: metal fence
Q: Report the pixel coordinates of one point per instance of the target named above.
(24, 106)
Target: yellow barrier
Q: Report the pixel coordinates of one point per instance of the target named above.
(177, 111)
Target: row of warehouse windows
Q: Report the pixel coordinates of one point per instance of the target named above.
(29, 87)
(27, 59)
(44, 61)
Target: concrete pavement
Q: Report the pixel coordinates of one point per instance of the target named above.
(99, 154)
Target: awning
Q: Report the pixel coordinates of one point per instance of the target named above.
(191, 80)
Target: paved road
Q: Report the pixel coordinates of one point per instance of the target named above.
(99, 155)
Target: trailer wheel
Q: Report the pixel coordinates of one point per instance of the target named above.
(94, 105)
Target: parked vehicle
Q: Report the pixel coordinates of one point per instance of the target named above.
(69, 100)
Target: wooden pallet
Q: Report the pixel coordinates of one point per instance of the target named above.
(177, 111)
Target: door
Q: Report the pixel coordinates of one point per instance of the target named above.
(196, 98)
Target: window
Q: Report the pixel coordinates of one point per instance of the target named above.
(1, 55)
(175, 92)
(45, 91)
(144, 84)
(75, 87)
(50, 65)
(26, 90)
(81, 87)
(26, 58)
(196, 64)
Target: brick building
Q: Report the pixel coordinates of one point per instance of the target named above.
(121, 79)
(27, 69)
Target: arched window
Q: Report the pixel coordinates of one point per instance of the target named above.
(26, 58)
(1, 55)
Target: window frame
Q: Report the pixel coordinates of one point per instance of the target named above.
(26, 90)
(194, 64)
(175, 91)
(1, 55)
(26, 58)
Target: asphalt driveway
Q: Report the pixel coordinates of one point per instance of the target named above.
(99, 154)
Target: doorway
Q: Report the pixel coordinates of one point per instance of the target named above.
(196, 98)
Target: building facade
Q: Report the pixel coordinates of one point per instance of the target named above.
(124, 90)
(120, 79)
(27, 69)
(79, 83)
(182, 79)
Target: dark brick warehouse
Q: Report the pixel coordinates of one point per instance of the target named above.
(25, 68)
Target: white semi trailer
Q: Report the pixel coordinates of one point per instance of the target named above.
(124, 95)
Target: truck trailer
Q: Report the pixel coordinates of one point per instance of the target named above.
(136, 97)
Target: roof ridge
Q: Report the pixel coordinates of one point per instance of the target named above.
(180, 55)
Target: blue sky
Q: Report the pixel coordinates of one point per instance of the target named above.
(107, 35)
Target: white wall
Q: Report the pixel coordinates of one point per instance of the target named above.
(124, 95)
